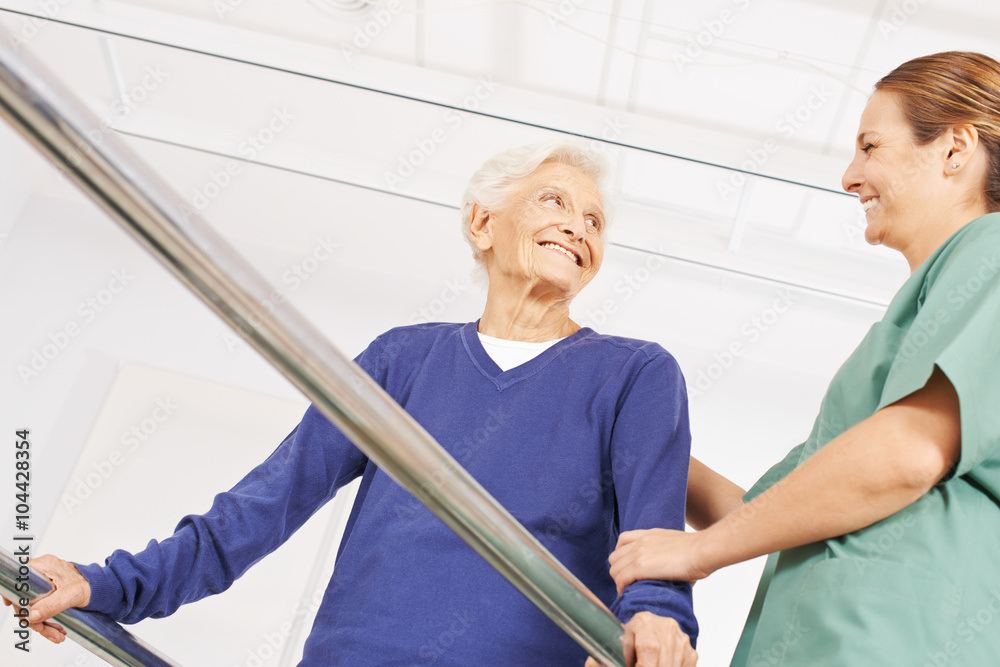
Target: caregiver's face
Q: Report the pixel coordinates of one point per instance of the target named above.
(895, 178)
(550, 230)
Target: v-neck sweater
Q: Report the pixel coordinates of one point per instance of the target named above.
(588, 439)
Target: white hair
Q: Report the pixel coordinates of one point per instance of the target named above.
(493, 183)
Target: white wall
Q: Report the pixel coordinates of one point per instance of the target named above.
(14, 188)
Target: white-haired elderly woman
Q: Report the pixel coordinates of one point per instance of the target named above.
(579, 435)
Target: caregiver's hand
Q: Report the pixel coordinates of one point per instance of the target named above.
(656, 554)
(654, 641)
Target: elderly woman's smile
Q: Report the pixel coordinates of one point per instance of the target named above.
(548, 234)
(573, 256)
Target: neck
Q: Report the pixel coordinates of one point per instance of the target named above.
(923, 244)
(521, 315)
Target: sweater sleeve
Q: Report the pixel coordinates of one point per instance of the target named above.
(208, 552)
(650, 450)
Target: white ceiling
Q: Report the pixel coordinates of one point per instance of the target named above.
(765, 86)
(695, 98)
(762, 58)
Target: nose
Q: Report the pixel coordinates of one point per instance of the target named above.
(574, 226)
(854, 176)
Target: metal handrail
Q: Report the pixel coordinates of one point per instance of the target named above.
(96, 632)
(57, 124)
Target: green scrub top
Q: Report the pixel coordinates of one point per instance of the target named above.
(922, 587)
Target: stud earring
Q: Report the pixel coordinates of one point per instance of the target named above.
(956, 165)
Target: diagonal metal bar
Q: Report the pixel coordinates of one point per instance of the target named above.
(58, 125)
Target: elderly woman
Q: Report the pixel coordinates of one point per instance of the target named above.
(886, 521)
(579, 435)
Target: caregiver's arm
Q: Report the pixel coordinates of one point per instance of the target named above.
(710, 496)
(868, 473)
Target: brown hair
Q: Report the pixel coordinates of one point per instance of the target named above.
(952, 88)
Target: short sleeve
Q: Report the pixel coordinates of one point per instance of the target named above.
(956, 330)
(775, 473)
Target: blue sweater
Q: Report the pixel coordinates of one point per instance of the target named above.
(587, 439)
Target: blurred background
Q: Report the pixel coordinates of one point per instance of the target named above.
(330, 142)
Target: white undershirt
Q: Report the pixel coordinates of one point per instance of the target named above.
(508, 354)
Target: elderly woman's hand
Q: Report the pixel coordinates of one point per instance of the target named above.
(656, 554)
(655, 641)
(69, 589)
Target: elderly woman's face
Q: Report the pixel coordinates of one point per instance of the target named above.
(549, 231)
(896, 179)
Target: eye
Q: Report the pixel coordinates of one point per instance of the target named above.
(552, 200)
(594, 223)
(867, 148)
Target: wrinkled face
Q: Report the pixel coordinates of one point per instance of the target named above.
(549, 232)
(897, 180)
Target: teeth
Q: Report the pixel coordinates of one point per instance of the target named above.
(560, 249)
(868, 204)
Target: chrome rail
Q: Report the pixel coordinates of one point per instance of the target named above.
(49, 117)
(95, 632)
